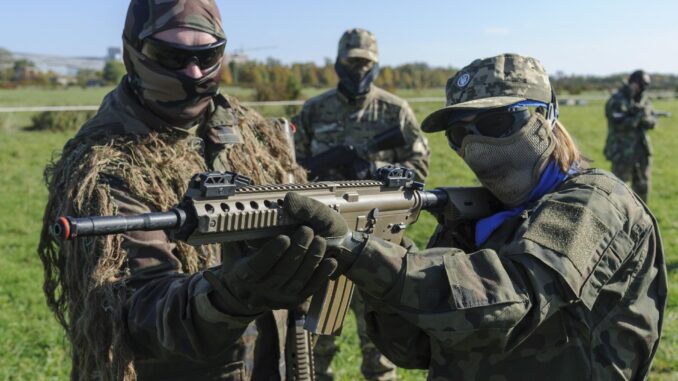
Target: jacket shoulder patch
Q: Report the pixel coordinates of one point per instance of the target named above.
(569, 229)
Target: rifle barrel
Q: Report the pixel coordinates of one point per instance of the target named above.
(70, 227)
(433, 199)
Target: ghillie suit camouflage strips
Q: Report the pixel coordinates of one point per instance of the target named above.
(85, 280)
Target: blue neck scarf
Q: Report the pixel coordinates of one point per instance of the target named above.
(550, 179)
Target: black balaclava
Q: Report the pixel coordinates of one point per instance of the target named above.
(354, 83)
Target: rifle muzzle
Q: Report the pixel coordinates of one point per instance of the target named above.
(67, 228)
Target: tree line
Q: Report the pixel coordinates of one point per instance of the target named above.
(274, 80)
(577, 84)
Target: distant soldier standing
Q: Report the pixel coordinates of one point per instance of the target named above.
(353, 114)
(629, 115)
(356, 111)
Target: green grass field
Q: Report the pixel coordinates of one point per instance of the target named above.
(32, 345)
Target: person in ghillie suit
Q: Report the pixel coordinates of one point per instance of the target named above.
(137, 305)
(629, 116)
(567, 282)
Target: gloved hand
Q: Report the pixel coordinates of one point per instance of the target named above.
(374, 266)
(342, 244)
(648, 119)
(281, 274)
(635, 110)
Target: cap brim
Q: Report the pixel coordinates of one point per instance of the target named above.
(437, 120)
(362, 53)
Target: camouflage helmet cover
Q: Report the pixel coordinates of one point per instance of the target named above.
(490, 83)
(358, 43)
(148, 17)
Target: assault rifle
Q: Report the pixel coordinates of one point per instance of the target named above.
(225, 207)
(348, 159)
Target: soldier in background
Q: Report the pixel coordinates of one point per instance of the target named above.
(352, 114)
(356, 111)
(629, 116)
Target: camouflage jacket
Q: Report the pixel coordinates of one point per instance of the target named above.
(330, 120)
(176, 331)
(574, 288)
(628, 120)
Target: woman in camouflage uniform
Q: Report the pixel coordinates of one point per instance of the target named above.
(568, 282)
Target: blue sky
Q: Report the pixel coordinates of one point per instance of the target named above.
(576, 36)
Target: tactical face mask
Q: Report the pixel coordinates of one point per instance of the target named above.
(353, 80)
(175, 97)
(510, 166)
(172, 95)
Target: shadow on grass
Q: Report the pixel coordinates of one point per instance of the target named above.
(671, 266)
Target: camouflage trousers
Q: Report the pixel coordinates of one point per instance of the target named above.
(637, 174)
(375, 366)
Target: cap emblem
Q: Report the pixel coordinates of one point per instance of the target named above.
(463, 80)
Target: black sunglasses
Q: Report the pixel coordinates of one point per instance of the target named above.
(495, 123)
(177, 57)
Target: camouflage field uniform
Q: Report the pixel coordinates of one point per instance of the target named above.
(628, 146)
(330, 120)
(171, 327)
(574, 288)
(338, 117)
(333, 119)
(171, 321)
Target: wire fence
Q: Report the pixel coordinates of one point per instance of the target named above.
(563, 101)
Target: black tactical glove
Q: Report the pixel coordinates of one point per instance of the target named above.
(342, 244)
(280, 274)
(648, 119)
(375, 266)
(636, 110)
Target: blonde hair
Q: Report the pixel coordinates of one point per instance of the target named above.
(566, 153)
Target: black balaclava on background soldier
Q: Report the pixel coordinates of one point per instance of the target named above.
(170, 94)
(355, 80)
